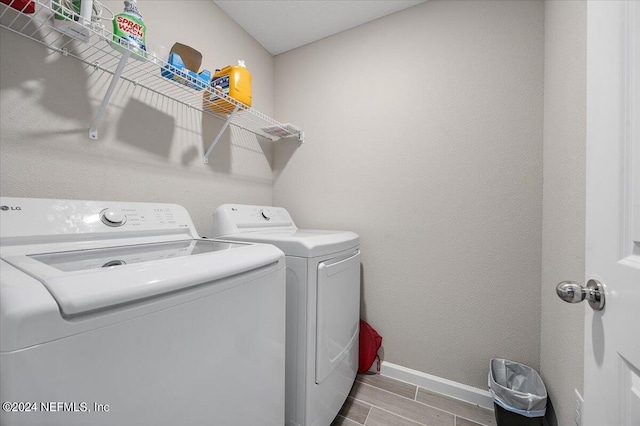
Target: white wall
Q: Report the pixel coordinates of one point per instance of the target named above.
(150, 148)
(424, 135)
(563, 245)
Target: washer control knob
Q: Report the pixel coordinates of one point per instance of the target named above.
(266, 213)
(112, 217)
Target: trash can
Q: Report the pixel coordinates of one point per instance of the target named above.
(519, 395)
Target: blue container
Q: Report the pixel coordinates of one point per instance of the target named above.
(176, 71)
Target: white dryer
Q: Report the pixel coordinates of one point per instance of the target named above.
(119, 314)
(323, 306)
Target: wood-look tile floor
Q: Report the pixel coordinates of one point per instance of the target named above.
(381, 401)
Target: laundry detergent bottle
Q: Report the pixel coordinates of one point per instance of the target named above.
(235, 82)
(129, 31)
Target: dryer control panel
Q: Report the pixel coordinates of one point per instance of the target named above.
(32, 218)
(234, 218)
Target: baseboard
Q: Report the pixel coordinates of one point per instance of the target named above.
(437, 384)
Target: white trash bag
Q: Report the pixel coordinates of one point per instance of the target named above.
(517, 388)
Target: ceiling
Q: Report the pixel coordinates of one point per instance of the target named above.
(282, 25)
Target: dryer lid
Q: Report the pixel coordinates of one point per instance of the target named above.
(274, 225)
(86, 280)
(302, 242)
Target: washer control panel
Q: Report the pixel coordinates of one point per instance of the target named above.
(112, 217)
(38, 217)
(154, 215)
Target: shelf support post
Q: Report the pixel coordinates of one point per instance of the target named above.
(93, 131)
(224, 127)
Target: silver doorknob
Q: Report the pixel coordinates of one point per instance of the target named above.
(572, 292)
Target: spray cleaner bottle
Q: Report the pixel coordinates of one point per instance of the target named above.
(129, 31)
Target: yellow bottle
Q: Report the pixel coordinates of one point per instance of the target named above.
(235, 82)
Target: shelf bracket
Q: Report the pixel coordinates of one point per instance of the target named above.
(93, 131)
(224, 127)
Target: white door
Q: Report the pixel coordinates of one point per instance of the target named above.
(612, 335)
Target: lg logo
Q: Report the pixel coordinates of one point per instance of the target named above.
(5, 208)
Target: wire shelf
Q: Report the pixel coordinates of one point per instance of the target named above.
(142, 72)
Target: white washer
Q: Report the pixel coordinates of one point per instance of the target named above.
(323, 306)
(119, 314)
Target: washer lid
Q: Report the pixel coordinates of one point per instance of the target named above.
(86, 280)
(301, 242)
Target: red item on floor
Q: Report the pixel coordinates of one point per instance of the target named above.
(370, 342)
(24, 6)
